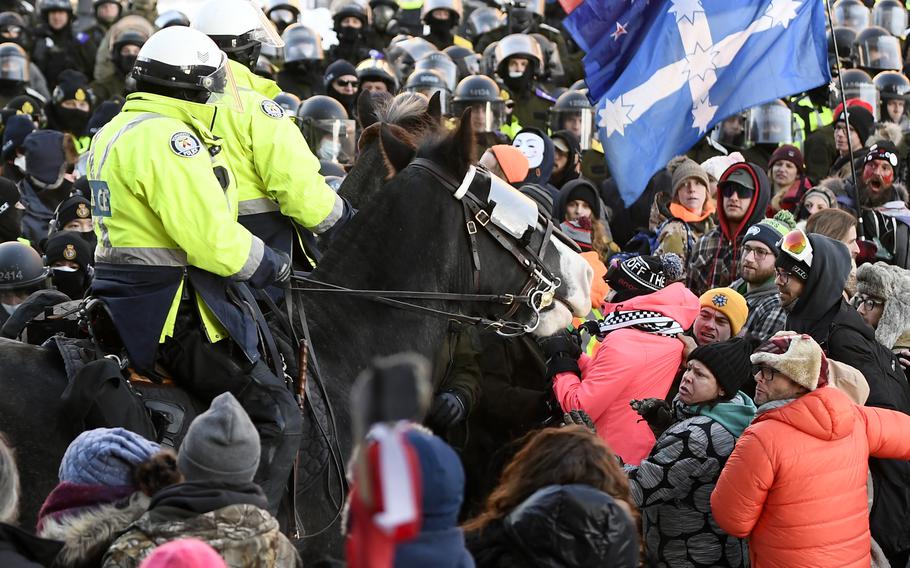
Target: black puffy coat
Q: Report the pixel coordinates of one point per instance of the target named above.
(559, 526)
(19, 549)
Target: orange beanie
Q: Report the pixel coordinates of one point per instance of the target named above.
(512, 161)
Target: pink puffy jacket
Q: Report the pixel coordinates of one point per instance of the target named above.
(629, 364)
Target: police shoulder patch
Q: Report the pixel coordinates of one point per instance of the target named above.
(185, 144)
(271, 108)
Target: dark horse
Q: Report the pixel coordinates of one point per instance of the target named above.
(415, 239)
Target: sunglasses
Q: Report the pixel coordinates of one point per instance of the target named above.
(796, 244)
(340, 83)
(741, 191)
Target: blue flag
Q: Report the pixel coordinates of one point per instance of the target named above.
(691, 64)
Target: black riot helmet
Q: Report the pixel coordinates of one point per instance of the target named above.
(442, 64)
(857, 85)
(301, 44)
(282, 13)
(359, 9)
(13, 28)
(484, 20)
(98, 3)
(454, 7)
(377, 70)
(47, 6)
(482, 95)
(892, 85)
(21, 267)
(289, 102)
(852, 14)
(14, 65)
(327, 129)
(522, 16)
(573, 111)
(171, 18)
(467, 62)
(429, 83)
(844, 38)
(404, 52)
(876, 49)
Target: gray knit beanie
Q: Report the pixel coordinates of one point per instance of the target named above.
(682, 168)
(221, 444)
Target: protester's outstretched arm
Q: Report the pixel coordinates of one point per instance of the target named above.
(887, 433)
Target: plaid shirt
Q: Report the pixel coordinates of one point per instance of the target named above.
(712, 263)
(766, 315)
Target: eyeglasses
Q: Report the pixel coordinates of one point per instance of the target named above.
(341, 83)
(766, 374)
(783, 276)
(797, 245)
(867, 302)
(760, 254)
(741, 191)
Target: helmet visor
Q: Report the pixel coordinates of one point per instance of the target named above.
(14, 68)
(770, 124)
(333, 139)
(863, 91)
(485, 116)
(223, 88)
(854, 16)
(881, 52)
(892, 18)
(579, 122)
(445, 99)
(446, 69)
(303, 51)
(265, 33)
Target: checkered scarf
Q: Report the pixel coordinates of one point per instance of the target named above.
(642, 320)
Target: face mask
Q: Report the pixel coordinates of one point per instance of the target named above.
(91, 238)
(125, 63)
(347, 101)
(532, 148)
(328, 150)
(348, 34)
(518, 81)
(10, 308)
(70, 281)
(72, 120)
(19, 162)
(439, 27)
(382, 15)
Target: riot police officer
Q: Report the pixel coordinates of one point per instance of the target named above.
(125, 46)
(483, 96)
(441, 18)
(21, 272)
(519, 61)
(385, 26)
(404, 52)
(282, 13)
(876, 50)
(377, 75)
(894, 91)
(852, 14)
(352, 21)
(172, 261)
(429, 83)
(328, 129)
(57, 46)
(15, 74)
(767, 127)
(106, 13)
(891, 15)
(303, 56)
(466, 61)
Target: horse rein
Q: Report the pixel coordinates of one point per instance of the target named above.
(538, 293)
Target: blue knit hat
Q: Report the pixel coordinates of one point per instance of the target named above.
(105, 456)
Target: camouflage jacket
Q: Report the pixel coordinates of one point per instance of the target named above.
(244, 535)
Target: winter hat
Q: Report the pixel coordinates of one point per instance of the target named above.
(105, 112)
(851, 104)
(599, 288)
(48, 155)
(221, 444)
(770, 231)
(728, 361)
(797, 356)
(71, 85)
(789, 153)
(184, 553)
(75, 207)
(105, 456)
(640, 275)
(799, 268)
(540, 195)
(442, 480)
(861, 121)
(884, 150)
(682, 168)
(822, 191)
(716, 166)
(512, 162)
(17, 128)
(337, 69)
(68, 245)
(728, 302)
(582, 189)
(892, 284)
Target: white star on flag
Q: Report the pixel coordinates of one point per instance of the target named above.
(702, 113)
(701, 61)
(620, 30)
(686, 9)
(782, 12)
(614, 117)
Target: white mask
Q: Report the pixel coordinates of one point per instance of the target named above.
(10, 308)
(19, 162)
(328, 150)
(516, 74)
(532, 146)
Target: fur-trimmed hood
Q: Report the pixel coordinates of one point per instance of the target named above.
(886, 131)
(891, 284)
(88, 534)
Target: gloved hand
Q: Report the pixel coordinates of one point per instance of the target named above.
(561, 352)
(448, 410)
(285, 270)
(654, 411)
(580, 418)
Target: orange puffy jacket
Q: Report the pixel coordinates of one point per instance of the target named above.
(796, 481)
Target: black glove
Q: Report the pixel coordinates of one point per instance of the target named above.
(285, 270)
(654, 411)
(448, 410)
(561, 352)
(579, 417)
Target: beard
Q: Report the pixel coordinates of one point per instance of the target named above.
(756, 276)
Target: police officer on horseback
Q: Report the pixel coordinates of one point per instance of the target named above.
(172, 261)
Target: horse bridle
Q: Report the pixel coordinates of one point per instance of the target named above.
(538, 293)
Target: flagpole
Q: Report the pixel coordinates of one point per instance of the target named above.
(860, 233)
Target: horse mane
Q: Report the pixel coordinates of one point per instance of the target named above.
(409, 111)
